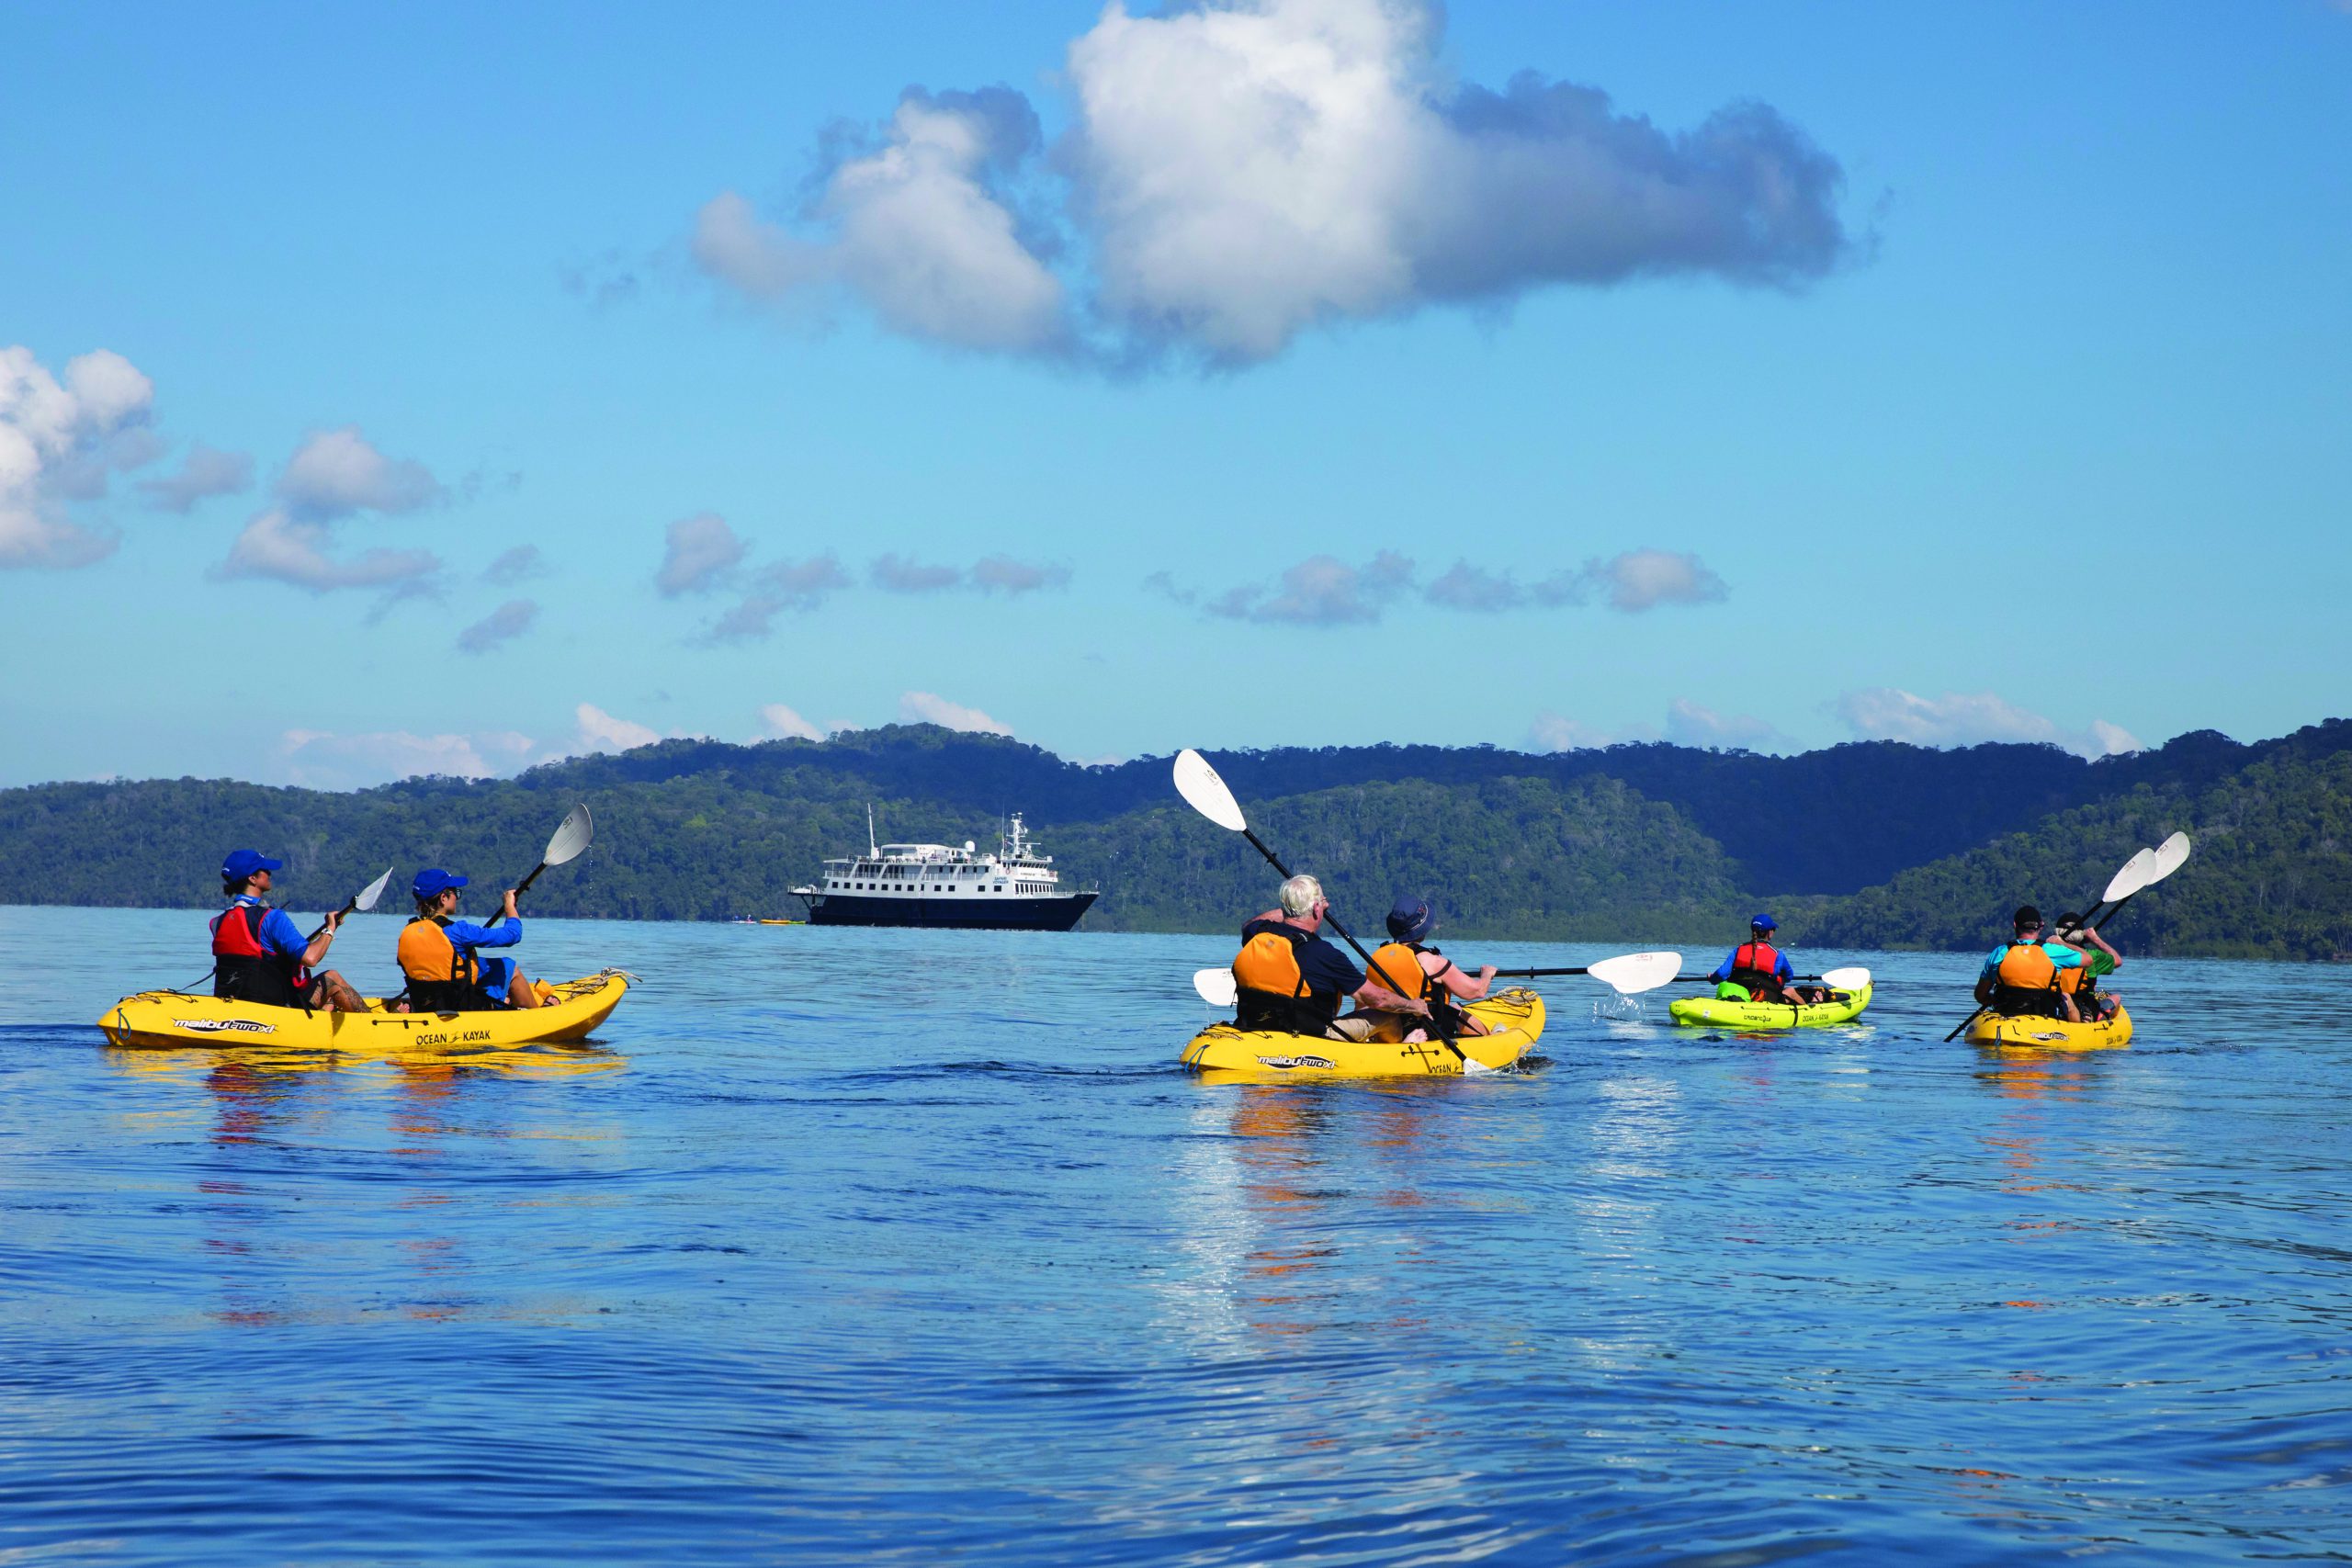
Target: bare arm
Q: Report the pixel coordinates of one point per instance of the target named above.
(1372, 995)
(314, 953)
(1984, 990)
(1459, 982)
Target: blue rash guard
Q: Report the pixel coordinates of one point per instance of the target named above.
(496, 974)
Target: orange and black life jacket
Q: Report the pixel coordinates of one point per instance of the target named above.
(244, 967)
(1272, 992)
(441, 977)
(1757, 967)
(1401, 962)
(2025, 983)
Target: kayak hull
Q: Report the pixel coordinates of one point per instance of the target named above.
(1714, 1014)
(1221, 1051)
(2052, 1034)
(177, 1020)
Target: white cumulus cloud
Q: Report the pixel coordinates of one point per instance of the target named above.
(600, 731)
(928, 707)
(275, 545)
(1238, 172)
(778, 722)
(1968, 718)
(335, 473)
(59, 441)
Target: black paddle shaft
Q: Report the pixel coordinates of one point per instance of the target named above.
(525, 886)
(341, 914)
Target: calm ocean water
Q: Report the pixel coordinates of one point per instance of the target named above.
(874, 1246)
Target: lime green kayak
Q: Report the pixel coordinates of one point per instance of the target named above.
(1770, 1015)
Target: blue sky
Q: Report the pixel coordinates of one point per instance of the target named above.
(2029, 423)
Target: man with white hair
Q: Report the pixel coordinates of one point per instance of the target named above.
(1290, 979)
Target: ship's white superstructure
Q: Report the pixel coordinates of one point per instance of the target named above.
(938, 884)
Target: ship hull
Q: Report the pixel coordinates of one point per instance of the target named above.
(1057, 913)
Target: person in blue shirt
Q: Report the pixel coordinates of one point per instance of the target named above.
(441, 955)
(1757, 971)
(2020, 977)
(259, 956)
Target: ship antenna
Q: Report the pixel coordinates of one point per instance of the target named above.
(872, 847)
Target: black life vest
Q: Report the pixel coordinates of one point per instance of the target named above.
(1756, 966)
(244, 967)
(1271, 987)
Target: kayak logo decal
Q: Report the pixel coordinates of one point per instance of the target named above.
(1286, 1062)
(215, 1025)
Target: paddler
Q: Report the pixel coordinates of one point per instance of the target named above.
(2099, 962)
(1436, 981)
(2020, 978)
(1292, 981)
(1757, 971)
(440, 953)
(258, 956)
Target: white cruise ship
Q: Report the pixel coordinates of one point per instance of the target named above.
(936, 884)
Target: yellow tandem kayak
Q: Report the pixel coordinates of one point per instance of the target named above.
(177, 1019)
(2052, 1034)
(1223, 1053)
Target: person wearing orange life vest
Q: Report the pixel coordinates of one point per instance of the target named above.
(1757, 971)
(1290, 980)
(2083, 984)
(2020, 978)
(258, 956)
(440, 953)
(1430, 977)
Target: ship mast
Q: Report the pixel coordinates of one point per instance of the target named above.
(872, 847)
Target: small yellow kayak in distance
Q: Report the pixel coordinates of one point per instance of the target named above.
(1222, 1054)
(176, 1020)
(2052, 1034)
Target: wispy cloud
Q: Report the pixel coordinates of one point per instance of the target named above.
(334, 475)
(698, 554)
(1235, 174)
(275, 546)
(785, 585)
(600, 731)
(520, 564)
(990, 574)
(507, 622)
(202, 475)
(1969, 718)
(1324, 591)
(1688, 724)
(321, 759)
(778, 722)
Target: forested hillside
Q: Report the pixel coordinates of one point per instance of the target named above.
(1635, 842)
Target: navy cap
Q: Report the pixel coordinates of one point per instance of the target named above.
(2027, 915)
(1763, 923)
(243, 864)
(1410, 919)
(431, 883)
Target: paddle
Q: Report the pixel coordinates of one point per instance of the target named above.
(2133, 875)
(361, 901)
(1206, 793)
(2170, 856)
(1629, 974)
(570, 837)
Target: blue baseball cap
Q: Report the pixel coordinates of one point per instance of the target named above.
(1410, 919)
(1763, 923)
(243, 864)
(431, 883)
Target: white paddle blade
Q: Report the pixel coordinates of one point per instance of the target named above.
(366, 900)
(1205, 793)
(1216, 986)
(2170, 856)
(2133, 877)
(1853, 980)
(571, 838)
(1636, 972)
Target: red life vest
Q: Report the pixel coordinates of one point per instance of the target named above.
(244, 967)
(1757, 965)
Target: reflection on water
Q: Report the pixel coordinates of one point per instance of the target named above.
(893, 1246)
